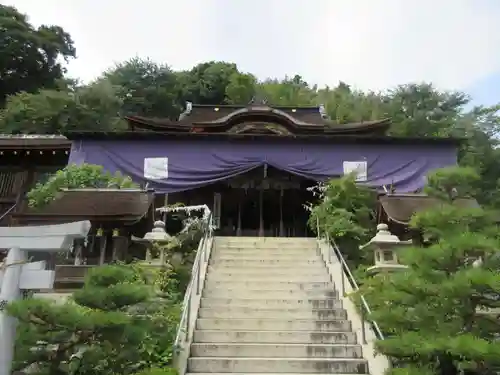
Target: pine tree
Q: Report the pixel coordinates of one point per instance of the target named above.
(113, 325)
(432, 312)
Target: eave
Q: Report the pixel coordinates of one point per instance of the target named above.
(320, 138)
(34, 142)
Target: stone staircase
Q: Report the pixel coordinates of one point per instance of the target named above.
(268, 306)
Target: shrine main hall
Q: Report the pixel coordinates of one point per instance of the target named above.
(253, 164)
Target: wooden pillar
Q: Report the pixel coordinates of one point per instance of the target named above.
(217, 210)
(102, 246)
(115, 245)
(261, 213)
(282, 225)
(238, 229)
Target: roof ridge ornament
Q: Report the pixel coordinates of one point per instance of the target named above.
(259, 100)
(187, 111)
(322, 111)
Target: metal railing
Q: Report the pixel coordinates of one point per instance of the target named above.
(8, 211)
(195, 285)
(347, 274)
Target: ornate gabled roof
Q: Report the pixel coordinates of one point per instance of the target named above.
(257, 118)
(207, 114)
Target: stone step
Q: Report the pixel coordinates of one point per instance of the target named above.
(248, 324)
(262, 271)
(319, 303)
(263, 266)
(295, 248)
(300, 278)
(278, 365)
(243, 239)
(231, 262)
(227, 312)
(231, 292)
(266, 255)
(276, 337)
(235, 290)
(271, 285)
(276, 350)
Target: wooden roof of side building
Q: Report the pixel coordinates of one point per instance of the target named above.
(34, 141)
(126, 206)
(400, 208)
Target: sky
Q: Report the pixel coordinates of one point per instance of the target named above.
(369, 44)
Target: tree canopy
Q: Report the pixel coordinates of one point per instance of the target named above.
(30, 58)
(37, 97)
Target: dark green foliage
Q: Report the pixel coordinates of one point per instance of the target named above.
(145, 88)
(345, 211)
(431, 311)
(30, 57)
(119, 323)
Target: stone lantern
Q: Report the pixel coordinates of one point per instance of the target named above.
(384, 246)
(157, 235)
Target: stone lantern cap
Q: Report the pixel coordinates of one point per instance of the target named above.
(384, 239)
(158, 233)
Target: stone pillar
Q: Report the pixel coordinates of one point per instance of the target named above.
(79, 245)
(17, 274)
(10, 292)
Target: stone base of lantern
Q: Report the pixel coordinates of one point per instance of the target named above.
(495, 311)
(378, 268)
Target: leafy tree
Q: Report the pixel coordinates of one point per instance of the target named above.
(76, 177)
(158, 371)
(345, 105)
(431, 312)
(90, 108)
(422, 110)
(288, 92)
(345, 212)
(113, 325)
(241, 88)
(30, 58)
(145, 88)
(452, 182)
(206, 83)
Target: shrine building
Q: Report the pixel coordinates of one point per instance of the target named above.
(252, 164)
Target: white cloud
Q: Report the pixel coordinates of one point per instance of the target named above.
(371, 44)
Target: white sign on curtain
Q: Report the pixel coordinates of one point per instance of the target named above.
(155, 168)
(359, 168)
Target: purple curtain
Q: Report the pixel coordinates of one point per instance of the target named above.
(195, 163)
